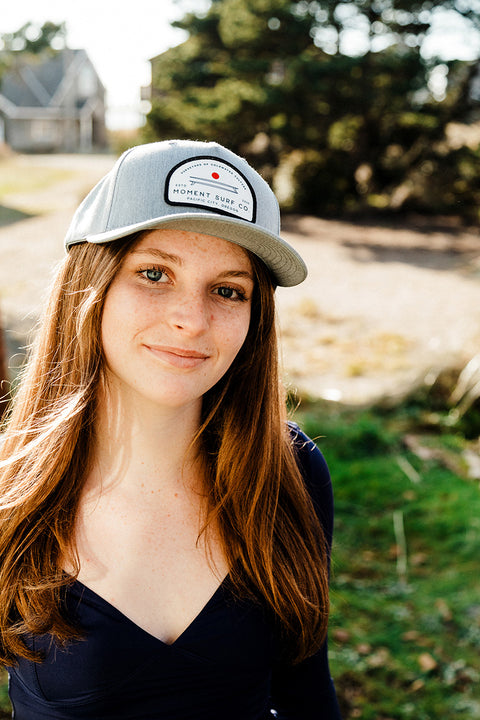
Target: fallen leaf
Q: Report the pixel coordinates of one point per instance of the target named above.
(417, 685)
(427, 662)
(364, 649)
(379, 658)
(340, 635)
(444, 610)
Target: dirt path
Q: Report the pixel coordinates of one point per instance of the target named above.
(31, 248)
(382, 306)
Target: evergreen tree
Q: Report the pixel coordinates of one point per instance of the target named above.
(330, 100)
(35, 39)
(32, 40)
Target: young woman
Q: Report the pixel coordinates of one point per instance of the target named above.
(164, 532)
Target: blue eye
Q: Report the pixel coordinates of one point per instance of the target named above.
(153, 275)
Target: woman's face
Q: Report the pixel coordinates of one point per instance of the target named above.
(175, 316)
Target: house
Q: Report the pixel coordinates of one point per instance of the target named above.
(52, 103)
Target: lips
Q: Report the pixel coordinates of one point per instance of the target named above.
(178, 357)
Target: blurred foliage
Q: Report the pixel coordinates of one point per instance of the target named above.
(5, 706)
(333, 128)
(35, 39)
(405, 623)
(30, 41)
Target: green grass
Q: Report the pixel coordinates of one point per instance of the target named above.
(5, 707)
(405, 623)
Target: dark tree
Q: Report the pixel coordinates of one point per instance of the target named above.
(332, 101)
(35, 39)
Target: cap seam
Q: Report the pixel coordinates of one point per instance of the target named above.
(111, 198)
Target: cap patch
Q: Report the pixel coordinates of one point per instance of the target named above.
(211, 184)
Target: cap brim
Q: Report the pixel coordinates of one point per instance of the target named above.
(283, 261)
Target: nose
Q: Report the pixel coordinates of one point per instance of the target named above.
(190, 314)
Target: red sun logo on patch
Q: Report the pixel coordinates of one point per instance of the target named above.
(215, 175)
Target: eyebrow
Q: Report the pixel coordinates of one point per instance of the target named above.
(158, 253)
(169, 257)
(238, 274)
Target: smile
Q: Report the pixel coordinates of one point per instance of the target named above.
(178, 357)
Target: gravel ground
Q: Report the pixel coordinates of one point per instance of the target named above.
(383, 306)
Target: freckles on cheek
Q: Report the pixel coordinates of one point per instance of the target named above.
(235, 337)
(137, 313)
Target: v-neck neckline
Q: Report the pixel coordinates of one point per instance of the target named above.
(100, 600)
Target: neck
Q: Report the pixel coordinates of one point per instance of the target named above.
(144, 446)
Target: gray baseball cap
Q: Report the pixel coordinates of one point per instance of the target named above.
(188, 185)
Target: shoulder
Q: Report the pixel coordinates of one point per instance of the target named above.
(316, 475)
(310, 459)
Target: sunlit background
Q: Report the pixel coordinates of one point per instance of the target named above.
(121, 39)
(375, 157)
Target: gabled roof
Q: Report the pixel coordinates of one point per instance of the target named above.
(33, 82)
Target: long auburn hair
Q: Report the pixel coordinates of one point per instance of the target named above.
(271, 536)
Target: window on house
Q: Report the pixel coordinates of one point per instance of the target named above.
(42, 130)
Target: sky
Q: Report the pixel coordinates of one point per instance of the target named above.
(120, 38)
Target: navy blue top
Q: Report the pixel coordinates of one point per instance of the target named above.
(225, 666)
